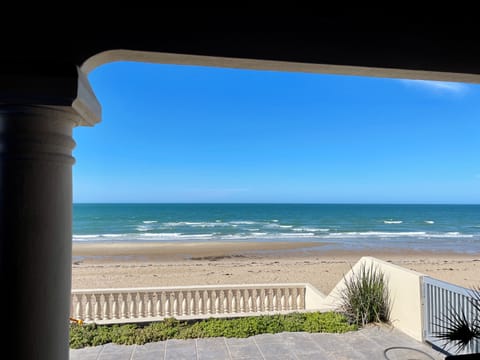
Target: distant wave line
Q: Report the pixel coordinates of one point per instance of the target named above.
(258, 235)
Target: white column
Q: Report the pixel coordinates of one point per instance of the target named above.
(36, 212)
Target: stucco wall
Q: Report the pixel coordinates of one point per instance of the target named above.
(405, 292)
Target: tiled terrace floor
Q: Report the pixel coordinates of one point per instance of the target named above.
(368, 343)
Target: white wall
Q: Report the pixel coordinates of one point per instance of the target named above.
(405, 292)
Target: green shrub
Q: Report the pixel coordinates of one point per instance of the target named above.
(326, 322)
(92, 335)
(365, 298)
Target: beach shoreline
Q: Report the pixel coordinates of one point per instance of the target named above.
(150, 264)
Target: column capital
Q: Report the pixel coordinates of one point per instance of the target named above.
(62, 86)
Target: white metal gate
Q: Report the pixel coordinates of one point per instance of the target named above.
(441, 300)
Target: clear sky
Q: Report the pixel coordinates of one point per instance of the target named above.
(195, 134)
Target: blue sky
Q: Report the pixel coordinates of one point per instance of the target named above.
(195, 134)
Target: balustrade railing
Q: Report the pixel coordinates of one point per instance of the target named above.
(188, 302)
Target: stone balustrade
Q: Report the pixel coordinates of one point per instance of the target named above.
(104, 306)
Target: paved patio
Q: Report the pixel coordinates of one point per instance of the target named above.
(368, 343)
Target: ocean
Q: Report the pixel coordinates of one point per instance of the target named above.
(453, 228)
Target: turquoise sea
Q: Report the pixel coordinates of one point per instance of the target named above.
(340, 226)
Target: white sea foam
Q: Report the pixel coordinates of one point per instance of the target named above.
(195, 224)
(144, 228)
(173, 223)
(278, 226)
(149, 221)
(160, 235)
(410, 234)
(392, 221)
(243, 222)
(354, 234)
(88, 236)
(197, 236)
(296, 235)
(429, 222)
(308, 229)
(451, 235)
(96, 237)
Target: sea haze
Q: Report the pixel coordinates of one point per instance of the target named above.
(342, 226)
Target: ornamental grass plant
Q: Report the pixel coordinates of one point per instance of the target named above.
(365, 297)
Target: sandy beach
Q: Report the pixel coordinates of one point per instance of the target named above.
(125, 265)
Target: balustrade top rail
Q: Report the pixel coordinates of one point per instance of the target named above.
(190, 287)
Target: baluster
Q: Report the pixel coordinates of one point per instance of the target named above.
(106, 307)
(251, 300)
(175, 304)
(266, 303)
(302, 298)
(178, 298)
(164, 303)
(200, 303)
(261, 300)
(158, 305)
(233, 302)
(225, 303)
(246, 297)
(258, 303)
(78, 307)
(217, 302)
(293, 293)
(88, 315)
(140, 306)
(150, 305)
(290, 301)
(96, 308)
(250, 303)
(145, 299)
(81, 310)
(253, 295)
(209, 302)
(77, 313)
(275, 300)
(193, 310)
(167, 306)
(282, 300)
(131, 306)
(184, 305)
(242, 302)
(279, 299)
(220, 301)
(115, 306)
(123, 305)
